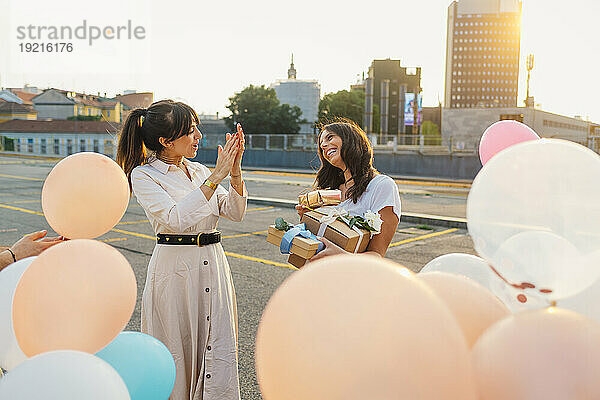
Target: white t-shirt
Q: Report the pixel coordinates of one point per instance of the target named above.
(381, 192)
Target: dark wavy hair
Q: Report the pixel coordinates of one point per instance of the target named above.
(357, 154)
(142, 128)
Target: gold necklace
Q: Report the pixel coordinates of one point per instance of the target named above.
(177, 161)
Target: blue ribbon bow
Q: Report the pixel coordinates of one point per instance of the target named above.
(297, 230)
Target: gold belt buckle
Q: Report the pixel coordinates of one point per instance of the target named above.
(198, 239)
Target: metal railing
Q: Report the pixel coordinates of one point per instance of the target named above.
(390, 143)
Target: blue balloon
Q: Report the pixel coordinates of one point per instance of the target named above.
(144, 363)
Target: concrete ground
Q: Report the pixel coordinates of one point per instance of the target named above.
(257, 266)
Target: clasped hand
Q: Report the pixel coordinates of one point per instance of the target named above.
(229, 159)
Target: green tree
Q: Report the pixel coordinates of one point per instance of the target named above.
(342, 104)
(257, 108)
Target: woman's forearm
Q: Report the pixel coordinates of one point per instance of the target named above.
(237, 183)
(5, 259)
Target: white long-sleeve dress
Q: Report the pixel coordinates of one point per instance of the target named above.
(189, 300)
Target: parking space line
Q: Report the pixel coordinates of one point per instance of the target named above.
(23, 201)
(20, 177)
(113, 239)
(244, 235)
(19, 194)
(427, 236)
(260, 260)
(21, 209)
(133, 222)
(153, 238)
(140, 235)
(259, 209)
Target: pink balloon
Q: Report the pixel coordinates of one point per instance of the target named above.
(501, 135)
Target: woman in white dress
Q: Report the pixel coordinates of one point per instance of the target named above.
(347, 164)
(189, 300)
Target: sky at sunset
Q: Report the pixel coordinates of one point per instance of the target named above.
(202, 52)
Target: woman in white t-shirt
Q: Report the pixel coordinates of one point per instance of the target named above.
(347, 164)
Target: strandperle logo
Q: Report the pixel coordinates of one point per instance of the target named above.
(84, 31)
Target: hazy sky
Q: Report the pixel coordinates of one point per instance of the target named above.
(202, 52)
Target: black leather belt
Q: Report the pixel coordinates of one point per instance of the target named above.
(201, 239)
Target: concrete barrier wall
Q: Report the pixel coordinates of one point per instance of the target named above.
(441, 166)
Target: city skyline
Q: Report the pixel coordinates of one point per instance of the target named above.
(204, 53)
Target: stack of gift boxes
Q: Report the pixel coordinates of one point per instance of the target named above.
(321, 220)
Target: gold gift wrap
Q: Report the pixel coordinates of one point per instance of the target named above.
(296, 260)
(301, 246)
(338, 232)
(319, 198)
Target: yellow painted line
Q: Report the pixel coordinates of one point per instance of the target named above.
(18, 155)
(133, 222)
(260, 260)
(23, 201)
(153, 238)
(21, 209)
(244, 235)
(23, 162)
(429, 183)
(259, 209)
(20, 177)
(400, 181)
(113, 240)
(429, 235)
(141, 235)
(19, 194)
(298, 174)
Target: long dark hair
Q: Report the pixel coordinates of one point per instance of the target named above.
(357, 154)
(142, 128)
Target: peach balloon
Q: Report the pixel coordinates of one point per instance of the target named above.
(85, 195)
(77, 295)
(474, 307)
(360, 327)
(543, 354)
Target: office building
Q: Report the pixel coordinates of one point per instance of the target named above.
(482, 53)
(392, 90)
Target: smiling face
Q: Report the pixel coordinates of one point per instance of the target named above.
(185, 146)
(331, 149)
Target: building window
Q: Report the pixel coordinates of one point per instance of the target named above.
(43, 149)
(69, 147)
(56, 146)
(30, 145)
(96, 146)
(108, 114)
(82, 145)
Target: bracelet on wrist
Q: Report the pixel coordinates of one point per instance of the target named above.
(210, 184)
(12, 254)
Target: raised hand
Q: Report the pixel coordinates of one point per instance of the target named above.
(226, 157)
(236, 168)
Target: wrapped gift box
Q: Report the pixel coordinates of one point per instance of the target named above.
(296, 260)
(319, 198)
(338, 232)
(301, 246)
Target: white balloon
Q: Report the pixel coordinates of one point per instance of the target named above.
(518, 300)
(586, 302)
(62, 375)
(477, 269)
(468, 265)
(10, 353)
(546, 185)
